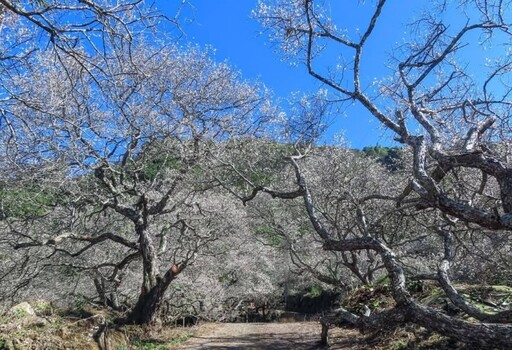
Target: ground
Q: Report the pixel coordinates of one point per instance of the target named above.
(38, 326)
(306, 336)
(298, 336)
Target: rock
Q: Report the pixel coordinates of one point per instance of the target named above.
(34, 321)
(23, 315)
(21, 310)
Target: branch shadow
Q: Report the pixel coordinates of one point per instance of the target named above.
(281, 341)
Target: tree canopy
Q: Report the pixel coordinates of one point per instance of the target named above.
(144, 176)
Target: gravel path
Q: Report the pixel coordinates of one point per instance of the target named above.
(252, 336)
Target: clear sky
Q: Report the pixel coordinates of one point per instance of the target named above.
(227, 26)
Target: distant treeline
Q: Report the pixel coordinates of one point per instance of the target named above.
(390, 157)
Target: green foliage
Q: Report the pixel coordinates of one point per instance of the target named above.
(415, 286)
(19, 313)
(152, 168)
(269, 236)
(384, 280)
(26, 203)
(6, 344)
(315, 291)
(152, 344)
(228, 279)
(261, 177)
(400, 344)
(182, 338)
(42, 307)
(387, 156)
(376, 151)
(148, 345)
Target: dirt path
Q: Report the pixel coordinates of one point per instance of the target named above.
(252, 336)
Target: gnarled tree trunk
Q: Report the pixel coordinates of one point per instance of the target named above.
(153, 287)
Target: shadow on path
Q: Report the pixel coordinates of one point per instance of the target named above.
(276, 336)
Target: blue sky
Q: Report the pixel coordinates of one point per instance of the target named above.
(227, 26)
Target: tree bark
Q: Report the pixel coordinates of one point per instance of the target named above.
(146, 309)
(153, 287)
(484, 335)
(152, 291)
(148, 305)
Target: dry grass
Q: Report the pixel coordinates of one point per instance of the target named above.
(71, 332)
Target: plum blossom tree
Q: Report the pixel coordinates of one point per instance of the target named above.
(450, 112)
(73, 31)
(134, 141)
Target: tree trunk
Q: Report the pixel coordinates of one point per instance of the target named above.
(100, 289)
(111, 300)
(324, 337)
(505, 182)
(153, 287)
(484, 335)
(146, 309)
(148, 304)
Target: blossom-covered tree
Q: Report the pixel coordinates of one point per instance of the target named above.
(133, 141)
(453, 116)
